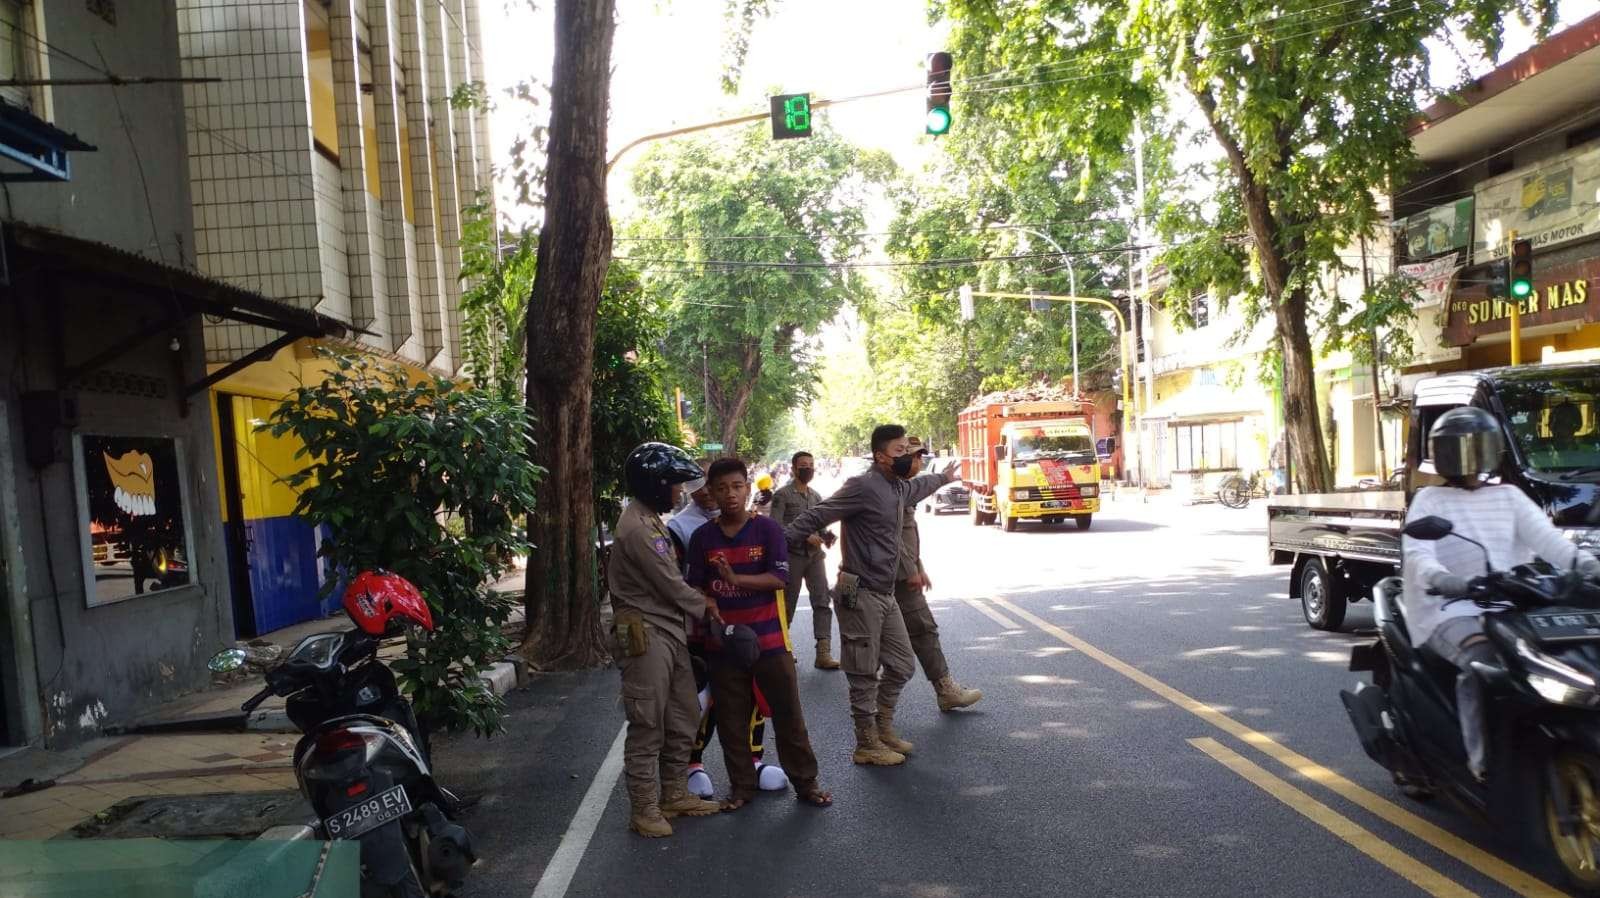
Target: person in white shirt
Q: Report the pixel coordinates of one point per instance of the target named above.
(700, 510)
(1466, 446)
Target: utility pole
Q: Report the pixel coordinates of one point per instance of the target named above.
(1372, 335)
(1072, 282)
(1144, 298)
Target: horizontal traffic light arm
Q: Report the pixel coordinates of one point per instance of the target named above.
(741, 120)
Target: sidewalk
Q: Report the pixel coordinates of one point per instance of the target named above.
(88, 780)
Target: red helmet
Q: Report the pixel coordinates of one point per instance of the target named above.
(377, 598)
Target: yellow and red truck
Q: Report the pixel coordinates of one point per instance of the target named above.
(1030, 460)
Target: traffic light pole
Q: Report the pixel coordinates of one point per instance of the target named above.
(1516, 306)
(739, 120)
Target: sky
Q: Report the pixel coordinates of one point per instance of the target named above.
(668, 56)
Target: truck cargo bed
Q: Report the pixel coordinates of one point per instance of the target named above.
(1362, 526)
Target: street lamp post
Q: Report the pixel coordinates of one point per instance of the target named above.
(1072, 287)
(1122, 328)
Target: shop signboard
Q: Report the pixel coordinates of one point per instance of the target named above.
(1569, 295)
(1554, 202)
(1438, 230)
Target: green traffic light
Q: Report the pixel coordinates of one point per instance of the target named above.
(939, 120)
(1521, 288)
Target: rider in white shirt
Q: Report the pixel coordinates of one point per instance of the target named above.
(1466, 446)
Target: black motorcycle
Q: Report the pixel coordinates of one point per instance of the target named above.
(1542, 699)
(364, 765)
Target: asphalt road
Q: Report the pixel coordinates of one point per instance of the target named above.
(1157, 721)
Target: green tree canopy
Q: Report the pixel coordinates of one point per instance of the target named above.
(1304, 102)
(741, 237)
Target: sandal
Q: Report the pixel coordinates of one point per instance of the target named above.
(815, 797)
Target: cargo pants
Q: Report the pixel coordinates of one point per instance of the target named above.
(663, 711)
(811, 570)
(873, 635)
(922, 630)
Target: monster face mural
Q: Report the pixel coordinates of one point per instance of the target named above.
(137, 537)
(133, 475)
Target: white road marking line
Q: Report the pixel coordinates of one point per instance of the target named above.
(564, 863)
(994, 615)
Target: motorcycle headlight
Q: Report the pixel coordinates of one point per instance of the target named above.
(1556, 681)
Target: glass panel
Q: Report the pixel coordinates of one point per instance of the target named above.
(137, 531)
(14, 42)
(1552, 421)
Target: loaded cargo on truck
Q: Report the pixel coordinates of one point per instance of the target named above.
(1030, 461)
(1339, 545)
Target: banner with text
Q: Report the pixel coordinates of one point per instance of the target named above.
(1556, 201)
(1433, 279)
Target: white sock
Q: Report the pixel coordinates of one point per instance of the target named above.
(771, 778)
(700, 783)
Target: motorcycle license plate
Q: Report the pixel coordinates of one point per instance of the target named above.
(1565, 626)
(360, 819)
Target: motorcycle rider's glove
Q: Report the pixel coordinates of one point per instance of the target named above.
(1589, 567)
(1449, 585)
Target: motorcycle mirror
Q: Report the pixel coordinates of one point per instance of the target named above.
(1429, 529)
(226, 661)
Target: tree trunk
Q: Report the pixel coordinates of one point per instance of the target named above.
(733, 415)
(563, 611)
(1290, 306)
(1310, 456)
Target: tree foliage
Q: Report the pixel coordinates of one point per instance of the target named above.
(735, 237)
(494, 303)
(388, 462)
(1304, 102)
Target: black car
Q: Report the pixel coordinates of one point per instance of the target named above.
(954, 497)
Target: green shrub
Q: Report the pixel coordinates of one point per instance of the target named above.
(389, 462)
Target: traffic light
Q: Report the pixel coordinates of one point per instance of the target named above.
(1521, 280)
(791, 116)
(938, 93)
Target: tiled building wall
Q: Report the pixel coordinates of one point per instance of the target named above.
(355, 238)
(250, 166)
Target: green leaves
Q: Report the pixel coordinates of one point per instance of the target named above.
(429, 480)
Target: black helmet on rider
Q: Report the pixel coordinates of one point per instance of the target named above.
(1466, 446)
(653, 469)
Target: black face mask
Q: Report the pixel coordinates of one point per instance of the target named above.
(804, 475)
(902, 465)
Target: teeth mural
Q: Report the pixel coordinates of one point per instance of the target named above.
(133, 476)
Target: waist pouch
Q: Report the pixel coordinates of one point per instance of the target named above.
(632, 635)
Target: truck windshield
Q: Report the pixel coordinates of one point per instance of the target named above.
(1553, 421)
(1077, 448)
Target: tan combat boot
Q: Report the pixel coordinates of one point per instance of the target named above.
(887, 735)
(870, 749)
(825, 660)
(678, 801)
(953, 696)
(646, 819)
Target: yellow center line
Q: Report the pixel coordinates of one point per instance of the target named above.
(1423, 876)
(1511, 877)
(994, 615)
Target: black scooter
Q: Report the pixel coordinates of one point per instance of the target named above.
(364, 765)
(1543, 708)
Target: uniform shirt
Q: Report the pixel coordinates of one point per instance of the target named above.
(872, 505)
(758, 548)
(789, 503)
(1503, 518)
(643, 573)
(910, 547)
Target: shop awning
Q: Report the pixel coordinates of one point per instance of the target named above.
(178, 294)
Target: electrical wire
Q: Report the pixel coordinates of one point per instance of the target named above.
(1009, 226)
(690, 264)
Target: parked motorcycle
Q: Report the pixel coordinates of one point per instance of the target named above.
(1543, 700)
(364, 762)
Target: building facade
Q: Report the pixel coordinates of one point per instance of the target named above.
(113, 578)
(330, 168)
(1517, 151)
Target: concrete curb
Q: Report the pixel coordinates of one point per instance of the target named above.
(501, 677)
(289, 833)
(270, 720)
